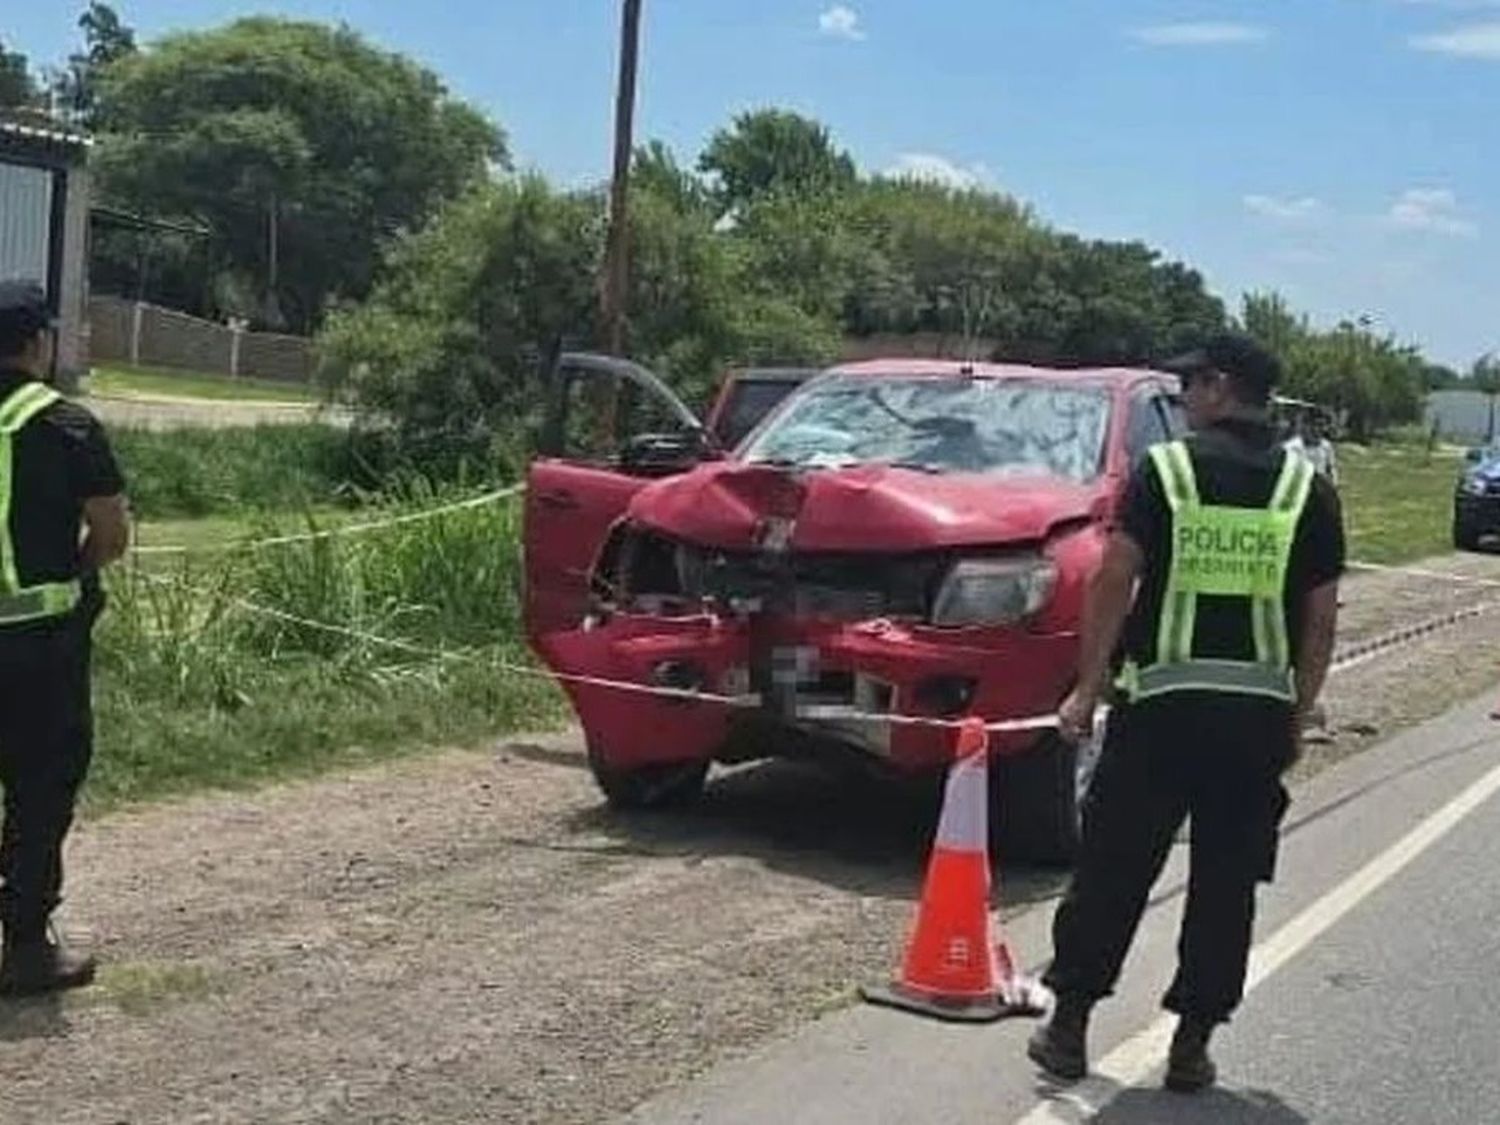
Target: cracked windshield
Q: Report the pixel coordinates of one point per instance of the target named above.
(942, 426)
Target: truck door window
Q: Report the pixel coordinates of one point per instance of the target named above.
(602, 414)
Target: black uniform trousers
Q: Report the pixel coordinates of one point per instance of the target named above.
(1217, 759)
(46, 743)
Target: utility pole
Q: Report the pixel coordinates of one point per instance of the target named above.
(617, 264)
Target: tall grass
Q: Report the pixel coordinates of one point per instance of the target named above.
(261, 468)
(275, 468)
(196, 689)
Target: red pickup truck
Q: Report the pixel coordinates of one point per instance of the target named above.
(837, 550)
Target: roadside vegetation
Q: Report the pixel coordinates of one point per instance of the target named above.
(203, 678)
(1398, 499)
(149, 382)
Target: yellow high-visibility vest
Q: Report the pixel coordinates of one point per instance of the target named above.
(19, 603)
(1223, 551)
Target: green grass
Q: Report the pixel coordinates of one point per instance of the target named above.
(241, 470)
(213, 533)
(250, 472)
(166, 382)
(194, 692)
(143, 988)
(1398, 501)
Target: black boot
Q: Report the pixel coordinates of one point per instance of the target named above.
(33, 964)
(1189, 1069)
(1060, 1046)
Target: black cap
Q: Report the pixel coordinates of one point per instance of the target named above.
(23, 309)
(1237, 355)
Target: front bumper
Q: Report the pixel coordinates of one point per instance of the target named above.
(836, 681)
(1478, 514)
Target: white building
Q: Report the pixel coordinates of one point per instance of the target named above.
(44, 209)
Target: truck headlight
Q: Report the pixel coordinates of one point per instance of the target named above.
(996, 591)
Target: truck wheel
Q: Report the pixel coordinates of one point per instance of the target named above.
(1038, 800)
(669, 785)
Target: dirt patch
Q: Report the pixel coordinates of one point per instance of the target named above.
(473, 937)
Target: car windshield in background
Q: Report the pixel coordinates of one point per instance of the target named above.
(750, 400)
(1011, 427)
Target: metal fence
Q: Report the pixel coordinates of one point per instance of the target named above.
(140, 334)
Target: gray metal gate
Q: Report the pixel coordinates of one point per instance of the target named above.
(25, 222)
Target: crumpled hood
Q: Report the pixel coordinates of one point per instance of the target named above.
(866, 508)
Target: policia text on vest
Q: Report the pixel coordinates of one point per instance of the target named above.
(1227, 557)
(1225, 551)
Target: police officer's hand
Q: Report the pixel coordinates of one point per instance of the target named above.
(1075, 718)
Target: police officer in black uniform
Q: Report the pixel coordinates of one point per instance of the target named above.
(1219, 653)
(64, 516)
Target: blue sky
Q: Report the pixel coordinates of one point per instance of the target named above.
(1346, 152)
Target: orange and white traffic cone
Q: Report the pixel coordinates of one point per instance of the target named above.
(954, 969)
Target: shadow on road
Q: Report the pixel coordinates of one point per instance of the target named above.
(39, 1018)
(840, 826)
(1219, 1106)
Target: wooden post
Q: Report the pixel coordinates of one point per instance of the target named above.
(617, 266)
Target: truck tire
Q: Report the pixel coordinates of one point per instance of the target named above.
(1038, 800)
(665, 786)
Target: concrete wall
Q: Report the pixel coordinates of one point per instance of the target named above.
(1461, 416)
(128, 332)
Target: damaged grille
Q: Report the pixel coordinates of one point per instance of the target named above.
(654, 571)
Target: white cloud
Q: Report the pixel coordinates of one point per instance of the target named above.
(1430, 209)
(1283, 210)
(1199, 34)
(1478, 41)
(841, 22)
(935, 169)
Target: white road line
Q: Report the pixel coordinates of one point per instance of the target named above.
(1129, 1063)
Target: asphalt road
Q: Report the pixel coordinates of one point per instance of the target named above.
(1375, 984)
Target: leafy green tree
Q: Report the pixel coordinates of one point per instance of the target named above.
(656, 172)
(452, 341)
(106, 40)
(17, 90)
(773, 151)
(1268, 318)
(1440, 377)
(300, 146)
(1484, 375)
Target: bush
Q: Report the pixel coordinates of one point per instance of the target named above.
(195, 473)
(194, 689)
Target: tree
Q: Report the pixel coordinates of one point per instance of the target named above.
(1267, 317)
(449, 343)
(300, 146)
(1484, 375)
(1440, 377)
(773, 151)
(106, 40)
(16, 87)
(656, 171)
